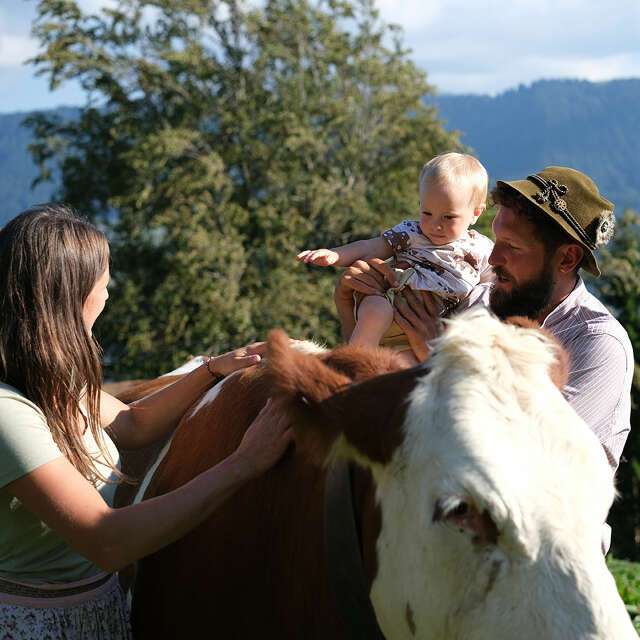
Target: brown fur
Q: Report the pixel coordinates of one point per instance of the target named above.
(256, 567)
(318, 389)
(129, 391)
(136, 462)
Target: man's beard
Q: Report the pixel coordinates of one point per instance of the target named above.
(527, 299)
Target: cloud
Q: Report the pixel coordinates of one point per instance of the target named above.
(14, 50)
(488, 45)
(484, 46)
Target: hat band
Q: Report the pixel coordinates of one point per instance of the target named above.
(552, 191)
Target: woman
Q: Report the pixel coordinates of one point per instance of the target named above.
(61, 542)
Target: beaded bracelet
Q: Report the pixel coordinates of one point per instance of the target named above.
(216, 376)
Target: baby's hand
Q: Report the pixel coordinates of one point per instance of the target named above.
(321, 257)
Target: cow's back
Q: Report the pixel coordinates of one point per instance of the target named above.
(255, 568)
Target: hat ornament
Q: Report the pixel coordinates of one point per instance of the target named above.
(551, 190)
(606, 225)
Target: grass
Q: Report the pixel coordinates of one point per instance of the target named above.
(627, 575)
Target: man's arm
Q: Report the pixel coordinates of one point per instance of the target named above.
(599, 389)
(371, 277)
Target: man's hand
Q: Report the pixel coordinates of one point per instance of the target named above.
(372, 276)
(417, 315)
(321, 257)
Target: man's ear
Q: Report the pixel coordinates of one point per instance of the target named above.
(569, 257)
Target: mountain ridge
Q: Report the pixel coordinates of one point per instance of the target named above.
(590, 126)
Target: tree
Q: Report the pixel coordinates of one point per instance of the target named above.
(619, 288)
(218, 141)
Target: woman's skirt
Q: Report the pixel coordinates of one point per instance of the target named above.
(93, 609)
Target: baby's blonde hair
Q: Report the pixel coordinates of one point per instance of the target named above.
(457, 169)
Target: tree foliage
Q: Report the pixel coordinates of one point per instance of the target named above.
(619, 288)
(219, 140)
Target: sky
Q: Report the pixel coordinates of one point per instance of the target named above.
(466, 46)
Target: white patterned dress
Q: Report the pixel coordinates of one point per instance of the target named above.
(450, 271)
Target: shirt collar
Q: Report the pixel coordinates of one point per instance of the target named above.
(564, 308)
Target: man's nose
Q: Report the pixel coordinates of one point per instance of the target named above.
(495, 258)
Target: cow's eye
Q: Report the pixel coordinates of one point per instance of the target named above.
(461, 509)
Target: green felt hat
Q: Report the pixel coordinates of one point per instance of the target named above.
(573, 201)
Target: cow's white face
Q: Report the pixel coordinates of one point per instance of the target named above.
(492, 507)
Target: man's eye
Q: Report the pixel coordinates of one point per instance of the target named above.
(426, 213)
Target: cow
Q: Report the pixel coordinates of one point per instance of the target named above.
(478, 495)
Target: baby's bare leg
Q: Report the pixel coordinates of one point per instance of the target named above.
(375, 315)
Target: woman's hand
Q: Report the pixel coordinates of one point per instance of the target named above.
(266, 439)
(417, 315)
(227, 363)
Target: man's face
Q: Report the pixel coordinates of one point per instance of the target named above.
(524, 278)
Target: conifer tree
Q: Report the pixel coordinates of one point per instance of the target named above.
(218, 141)
(619, 289)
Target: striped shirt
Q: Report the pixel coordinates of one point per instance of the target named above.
(601, 364)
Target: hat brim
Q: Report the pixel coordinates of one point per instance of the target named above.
(528, 189)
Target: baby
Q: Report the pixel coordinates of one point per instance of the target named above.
(437, 253)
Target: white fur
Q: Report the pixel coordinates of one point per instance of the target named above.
(487, 425)
(187, 367)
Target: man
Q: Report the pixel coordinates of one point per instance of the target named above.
(547, 228)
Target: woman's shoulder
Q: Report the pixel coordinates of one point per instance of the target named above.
(12, 400)
(25, 439)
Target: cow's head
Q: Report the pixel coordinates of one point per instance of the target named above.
(492, 490)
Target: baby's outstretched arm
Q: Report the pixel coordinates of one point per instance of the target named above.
(347, 254)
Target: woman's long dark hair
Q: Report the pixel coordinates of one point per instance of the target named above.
(50, 260)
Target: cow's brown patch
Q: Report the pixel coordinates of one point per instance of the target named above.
(264, 545)
(325, 403)
(133, 390)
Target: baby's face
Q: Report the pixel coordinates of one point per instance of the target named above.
(445, 212)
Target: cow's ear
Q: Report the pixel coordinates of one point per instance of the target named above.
(299, 376)
(325, 404)
(301, 382)
(559, 372)
(371, 415)
(461, 513)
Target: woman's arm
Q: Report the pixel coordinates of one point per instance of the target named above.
(149, 419)
(347, 254)
(113, 538)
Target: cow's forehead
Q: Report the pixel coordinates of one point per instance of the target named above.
(501, 431)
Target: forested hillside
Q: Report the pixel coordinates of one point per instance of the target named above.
(17, 169)
(590, 126)
(593, 127)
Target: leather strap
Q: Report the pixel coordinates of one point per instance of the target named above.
(343, 556)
